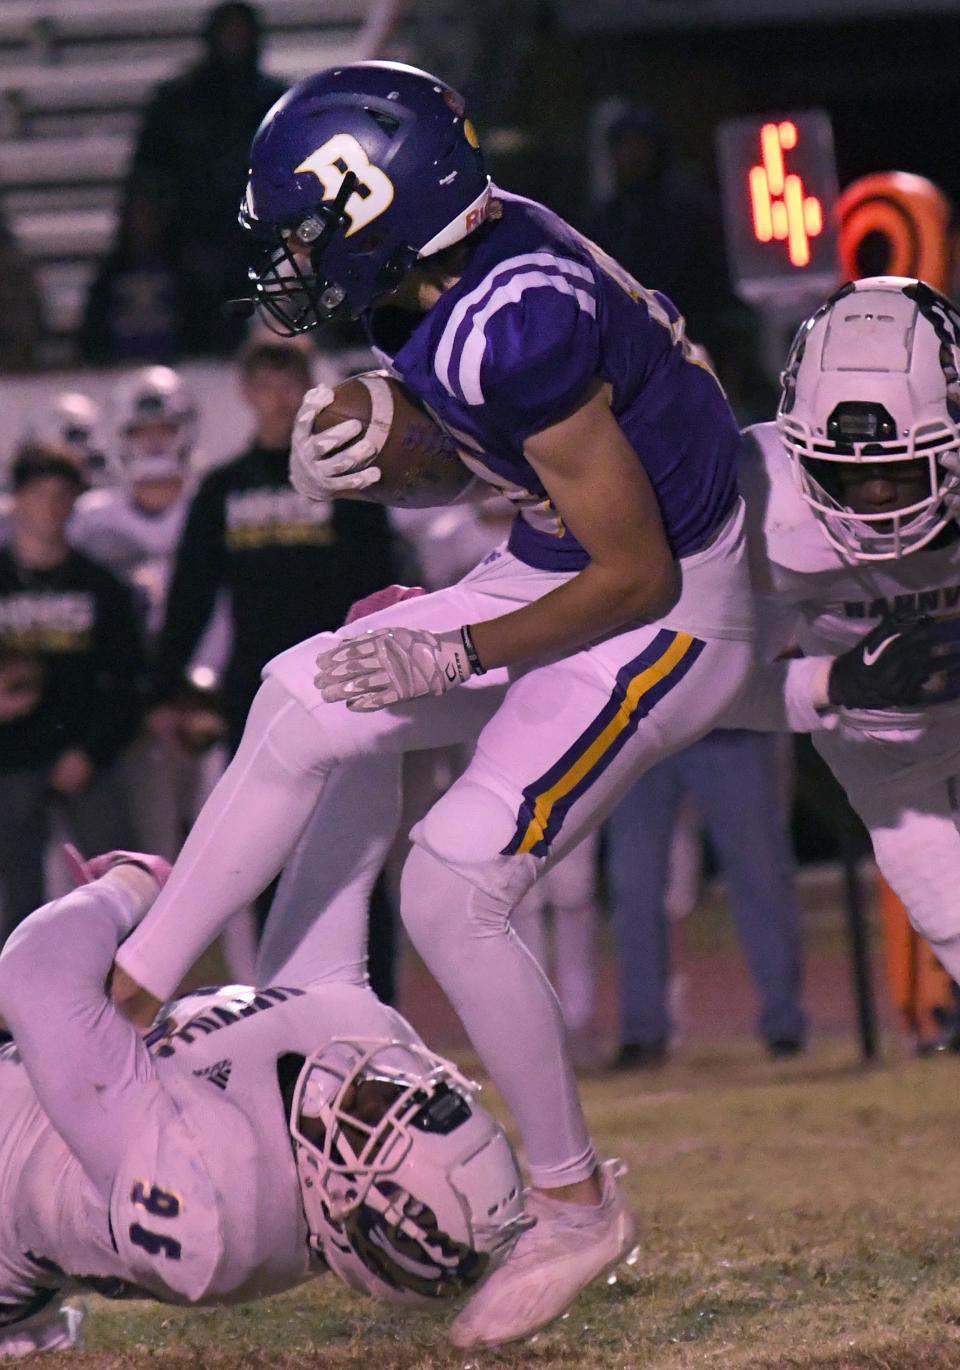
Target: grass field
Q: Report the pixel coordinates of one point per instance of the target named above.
(793, 1215)
(801, 1215)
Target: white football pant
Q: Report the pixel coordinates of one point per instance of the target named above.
(910, 804)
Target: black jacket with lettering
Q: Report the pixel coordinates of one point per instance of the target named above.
(292, 566)
(79, 623)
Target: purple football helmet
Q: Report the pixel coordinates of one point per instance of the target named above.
(374, 166)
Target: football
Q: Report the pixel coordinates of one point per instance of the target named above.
(420, 462)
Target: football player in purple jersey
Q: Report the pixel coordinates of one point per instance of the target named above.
(610, 629)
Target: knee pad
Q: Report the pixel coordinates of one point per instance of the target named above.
(466, 831)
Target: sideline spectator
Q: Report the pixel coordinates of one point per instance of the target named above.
(194, 146)
(135, 308)
(21, 310)
(735, 779)
(292, 566)
(70, 675)
(663, 224)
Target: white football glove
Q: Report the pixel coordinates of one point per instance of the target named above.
(389, 665)
(313, 472)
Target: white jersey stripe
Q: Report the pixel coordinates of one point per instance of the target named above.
(472, 353)
(528, 259)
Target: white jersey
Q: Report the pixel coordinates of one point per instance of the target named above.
(139, 547)
(812, 596)
(201, 1203)
(51, 1218)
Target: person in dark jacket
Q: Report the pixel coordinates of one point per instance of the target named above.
(71, 671)
(663, 224)
(193, 144)
(136, 305)
(292, 566)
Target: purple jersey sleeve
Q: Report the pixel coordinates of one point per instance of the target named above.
(525, 343)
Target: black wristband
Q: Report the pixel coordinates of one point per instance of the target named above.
(475, 665)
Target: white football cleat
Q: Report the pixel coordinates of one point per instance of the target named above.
(569, 1245)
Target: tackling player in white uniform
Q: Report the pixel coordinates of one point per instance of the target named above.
(254, 1138)
(855, 554)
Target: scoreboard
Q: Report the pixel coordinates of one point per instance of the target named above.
(779, 183)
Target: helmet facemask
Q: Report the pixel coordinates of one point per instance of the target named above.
(294, 300)
(877, 397)
(387, 1142)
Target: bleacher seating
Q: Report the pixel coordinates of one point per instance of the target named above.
(74, 75)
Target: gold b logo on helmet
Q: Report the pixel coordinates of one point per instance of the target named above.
(331, 162)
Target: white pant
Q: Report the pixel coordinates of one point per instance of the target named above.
(567, 949)
(556, 746)
(911, 806)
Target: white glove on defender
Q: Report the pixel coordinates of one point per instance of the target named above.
(316, 474)
(389, 665)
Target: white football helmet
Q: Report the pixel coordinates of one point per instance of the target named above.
(154, 417)
(410, 1188)
(69, 422)
(872, 377)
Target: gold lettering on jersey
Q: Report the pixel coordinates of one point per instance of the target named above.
(277, 518)
(249, 539)
(654, 306)
(56, 623)
(47, 640)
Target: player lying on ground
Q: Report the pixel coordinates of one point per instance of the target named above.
(612, 629)
(852, 503)
(253, 1139)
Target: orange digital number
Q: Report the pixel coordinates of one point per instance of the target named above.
(780, 206)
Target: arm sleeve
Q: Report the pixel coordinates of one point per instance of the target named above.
(90, 1070)
(531, 353)
(116, 709)
(198, 575)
